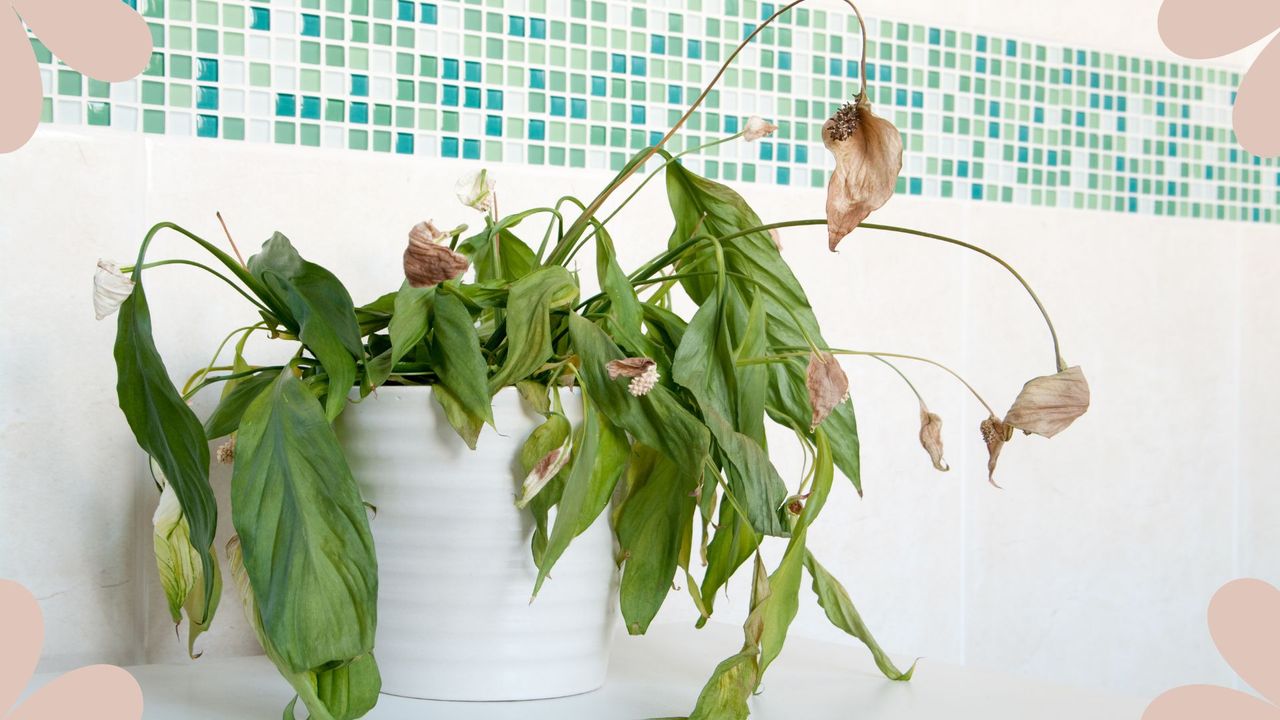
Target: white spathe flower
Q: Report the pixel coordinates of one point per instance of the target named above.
(475, 190)
(758, 127)
(110, 288)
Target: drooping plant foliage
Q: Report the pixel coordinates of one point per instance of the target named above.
(672, 443)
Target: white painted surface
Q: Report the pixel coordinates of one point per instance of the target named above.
(455, 620)
(660, 675)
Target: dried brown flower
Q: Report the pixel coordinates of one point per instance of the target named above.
(995, 433)
(1048, 404)
(643, 372)
(227, 451)
(931, 438)
(426, 261)
(757, 127)
(868, 153)
(827, 384)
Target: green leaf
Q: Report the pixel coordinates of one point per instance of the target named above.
(732, 544)
(467, 426)
(510, 260)
(600, 454)
(408, 325)
(704, 364)
(307, 548)
(226, 417)
(840, 611)
(657, 419)
(456, 356)
(752, 380)
(626, 314)
(650, 529)
(546, 438)
(322, 309)
(727, 692)
(716, 210)
(345, 692)
(529, 307)
(165, 427)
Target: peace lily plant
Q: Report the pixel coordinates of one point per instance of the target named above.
(674, 409)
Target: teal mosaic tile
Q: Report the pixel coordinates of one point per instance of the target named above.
(585, 83)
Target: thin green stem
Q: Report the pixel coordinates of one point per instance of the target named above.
(789, 352)
(206, 268)
(905, 379)
(223, 378)
(580, 225)
(654, 173)
(1057, 349)
(248, 329)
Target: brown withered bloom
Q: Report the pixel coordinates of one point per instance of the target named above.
(827, 384)
(995, 433)
(931, 437)
(426, 261)
(643, 372)
(1048, 404)
(868, 153)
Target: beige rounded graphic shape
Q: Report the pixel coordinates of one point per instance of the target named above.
(104, 39)
(1195, 29)
(1244, 621)
(104, 692)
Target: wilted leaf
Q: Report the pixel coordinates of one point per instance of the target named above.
(528, 322)
(840, 611)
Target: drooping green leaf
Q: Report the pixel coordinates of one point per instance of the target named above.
(625, 313)
(322, 309)
(345, 692)
(840, 611)
(550, 436)
(733, 543)
(704, 364)
(650, 529)
(411, 311)
(752, 380)
(307, 547)
(467, 426)
(535, 396)
(165, 427)
(374, 316)
(657, 419)
(716, 210)
(726, 694)
(456, 356)
(599, 457)
(226, 417)
(528, 322)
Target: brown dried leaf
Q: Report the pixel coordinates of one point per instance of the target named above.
(548, 467)
(1048, 404)
(931, 438)
(827, 384)
(629, 367)
(995, 434)
(428, 263)
(868, 153)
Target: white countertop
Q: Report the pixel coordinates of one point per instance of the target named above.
(659, 676)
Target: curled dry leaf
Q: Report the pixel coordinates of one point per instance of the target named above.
(548, 467)
(1048, 404)
(931, 438)
(110, 288)
(995, 433)
(643, 372)
(827, 384)
(427, 262)
(757, 127)
(868, 153)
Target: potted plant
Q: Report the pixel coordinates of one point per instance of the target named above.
(637, 424)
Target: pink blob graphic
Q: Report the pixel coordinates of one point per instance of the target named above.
(1244, 621)
(105, 692)
(104, 39)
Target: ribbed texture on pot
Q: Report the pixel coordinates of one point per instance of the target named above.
(454, 566)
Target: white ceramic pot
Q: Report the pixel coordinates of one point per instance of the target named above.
(454, 567)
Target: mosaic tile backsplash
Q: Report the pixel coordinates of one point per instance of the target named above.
(585, 83)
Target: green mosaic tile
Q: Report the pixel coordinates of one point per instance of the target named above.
(984, 118)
